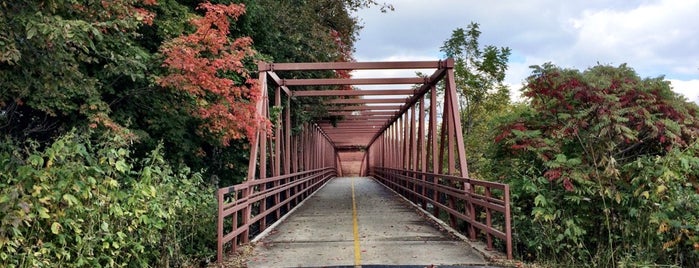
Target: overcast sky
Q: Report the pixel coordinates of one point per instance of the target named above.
(655, 37)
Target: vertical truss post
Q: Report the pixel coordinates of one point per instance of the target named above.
(277, 134)
(278, 141)
(263, 161)
(295, 155)
(422, 159)
(449, 123)
(390, 150)
(287, 136)
(413, 150)
(405, 153)
(436, 167)
(397, 145)
(456, 121)
(405, 140)
(305, 147)
(447, 143)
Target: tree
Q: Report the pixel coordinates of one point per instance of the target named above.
(209, 65)
(479, 75)
(605, 162)
(59, 58)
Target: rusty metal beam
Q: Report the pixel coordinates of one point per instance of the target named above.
(353, 140)
(352, 132)
(358, 113)
(352, 128)
(350, 148)
(373, 123)
(322, 93)
(331, 129)
(278, 81)
(364, 108)
(369, 117)
(366, 101)
(353, 81)
(359, 125)
(263, 66)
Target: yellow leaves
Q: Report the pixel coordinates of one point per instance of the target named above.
(112, 183)
(149, 191)
(37, 190)
(56, 228)
(121, 166)
(43, 213)
(45, 200)
(663, 228)
(70, 199)
(672, 243)
(661, 189)
(3, 241)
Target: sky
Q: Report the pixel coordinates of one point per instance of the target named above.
(655, 37)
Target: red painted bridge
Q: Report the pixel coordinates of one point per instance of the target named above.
(400, 134)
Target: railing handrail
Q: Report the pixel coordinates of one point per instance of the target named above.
(309, 179)
(490, 184)
(228, 189)
(469, 196)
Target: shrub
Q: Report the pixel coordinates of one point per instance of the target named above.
(603, 168)
(80, 203)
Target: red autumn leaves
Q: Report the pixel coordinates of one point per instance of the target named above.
(209, 65)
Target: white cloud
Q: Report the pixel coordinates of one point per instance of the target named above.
(655, 37)
(689, 89)
(397, 73)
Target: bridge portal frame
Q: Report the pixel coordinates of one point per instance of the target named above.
(408, 146)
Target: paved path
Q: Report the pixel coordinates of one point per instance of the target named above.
(321, 233)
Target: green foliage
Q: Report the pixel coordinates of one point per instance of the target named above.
(603, 169)
(61, 57)
(84, 204)
(479, 73)
(66, 64)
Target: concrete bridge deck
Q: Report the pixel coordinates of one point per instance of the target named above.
(358, 222)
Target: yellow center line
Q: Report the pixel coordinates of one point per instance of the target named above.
(357, 250)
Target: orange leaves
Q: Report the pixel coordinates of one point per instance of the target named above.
(207, 64)
(144, 15)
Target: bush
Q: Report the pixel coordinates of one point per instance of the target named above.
(603, 169)
(79, 203)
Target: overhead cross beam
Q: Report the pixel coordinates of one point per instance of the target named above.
(367, 101)
(384, 65)
(320, 93)
(364, 108)
(352, 81)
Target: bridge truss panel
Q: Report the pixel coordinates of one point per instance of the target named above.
(409, 133)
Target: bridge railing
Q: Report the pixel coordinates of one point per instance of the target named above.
(251, 204)
(483, 206)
